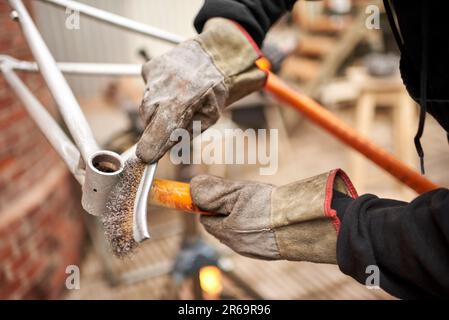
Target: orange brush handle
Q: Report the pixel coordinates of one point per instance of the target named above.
(173, 195)
(328, 121)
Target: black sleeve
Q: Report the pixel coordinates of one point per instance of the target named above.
(255, 16)
(408, 242)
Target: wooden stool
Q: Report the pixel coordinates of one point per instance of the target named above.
(389, 92)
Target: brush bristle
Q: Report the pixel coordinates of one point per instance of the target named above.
(118, 218)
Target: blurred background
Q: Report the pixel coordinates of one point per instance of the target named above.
(330, 50)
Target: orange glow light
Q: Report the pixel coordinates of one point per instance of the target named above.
(210, 281)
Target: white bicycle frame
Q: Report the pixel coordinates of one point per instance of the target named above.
(96, 170)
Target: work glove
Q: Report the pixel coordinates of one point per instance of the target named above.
(195, 81)
(292, 222)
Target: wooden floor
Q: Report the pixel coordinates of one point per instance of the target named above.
(145, 276)
(310, 152)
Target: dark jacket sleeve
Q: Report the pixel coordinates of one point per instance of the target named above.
(255, 16)
(408, 242)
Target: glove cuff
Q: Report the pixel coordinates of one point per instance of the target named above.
(305, 225)
(229, 46)
(234, 53)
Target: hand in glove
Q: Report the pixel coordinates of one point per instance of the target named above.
(195, 81)
(293, 222)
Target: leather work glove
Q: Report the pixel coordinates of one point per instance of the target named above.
(292, 222)
(195, 81)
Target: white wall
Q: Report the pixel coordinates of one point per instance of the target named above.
(98, 42)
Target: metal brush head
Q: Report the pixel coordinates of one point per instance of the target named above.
(125, 217)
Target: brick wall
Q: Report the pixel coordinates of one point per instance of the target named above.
(41, 226)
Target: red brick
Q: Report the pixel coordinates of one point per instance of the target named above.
(19, 262)
(6, 100)
(10, 25)
(8, 231)
(4, 6)
(6, 43)
(5, 252)
(6, 162)
(7, 289)
(6, 111)
(20, 114)
(33, 270)
(58, 278)
(48, 237)
(3, 276)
